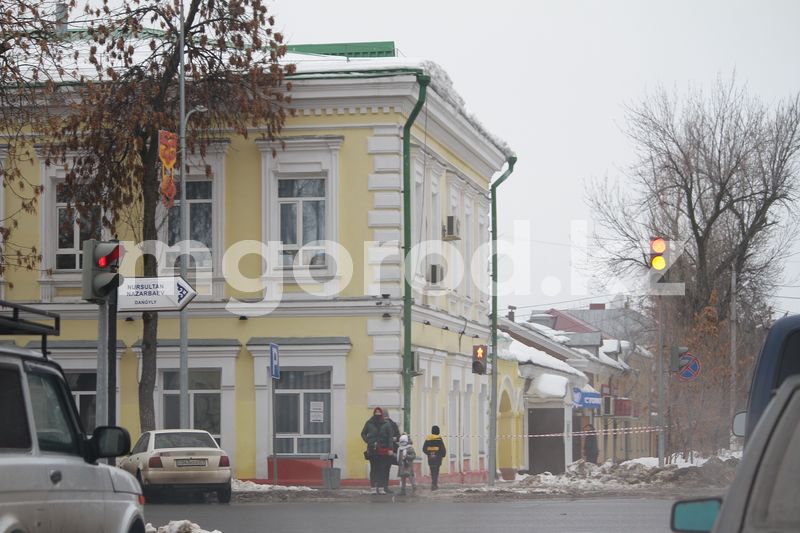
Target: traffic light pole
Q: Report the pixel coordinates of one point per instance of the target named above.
(101, 408)
(112, 358)
(660, 370)
(183, 374)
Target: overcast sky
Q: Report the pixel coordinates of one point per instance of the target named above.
(551, 78)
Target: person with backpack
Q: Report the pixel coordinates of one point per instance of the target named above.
(435, 450)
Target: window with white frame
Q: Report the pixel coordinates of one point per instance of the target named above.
(72, 230)
(468, 249)
(199, 223)
(301, 202)
(418, 223)
(205, 400)
(482, 276)
(83, 386)
(303, 412)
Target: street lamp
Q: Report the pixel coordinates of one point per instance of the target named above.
(184, 217)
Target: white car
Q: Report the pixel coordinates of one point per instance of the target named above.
(50, 480)
(180, 459)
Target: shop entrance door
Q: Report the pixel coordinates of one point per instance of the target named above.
(546, 454)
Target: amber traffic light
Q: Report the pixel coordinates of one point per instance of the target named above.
(658, 253)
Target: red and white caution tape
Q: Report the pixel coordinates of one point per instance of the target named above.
(610, 431)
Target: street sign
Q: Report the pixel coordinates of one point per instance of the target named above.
(585, 399)
(689, 367)
(154, 294)
(274, 365)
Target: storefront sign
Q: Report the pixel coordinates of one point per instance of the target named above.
(582, 399)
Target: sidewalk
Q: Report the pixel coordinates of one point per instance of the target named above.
(504, 491)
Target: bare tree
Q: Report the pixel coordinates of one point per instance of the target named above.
(125, 64)
(716, 174)
(29, 47)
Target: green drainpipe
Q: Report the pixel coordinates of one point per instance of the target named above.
(423, 81)
(493, 403)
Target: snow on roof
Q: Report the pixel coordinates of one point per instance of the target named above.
(528, 354)
(558, 336)
(76, 59)
(602, 358)
(315, 64)
(616, 346)
(611, 346)
(549, 386)
(613, 362)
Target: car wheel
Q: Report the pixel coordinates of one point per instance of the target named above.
(224, 495)
(146, 492)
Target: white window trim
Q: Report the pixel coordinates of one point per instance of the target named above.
(301, 394)
(83, 360)
(192, 393)
(51, 279)
(202, 357)
(333, 356)
(468, 244)
(196, 170)
(483, 238)
(299, 156)
(455, 297)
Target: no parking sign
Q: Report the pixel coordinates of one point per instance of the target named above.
(689, 367)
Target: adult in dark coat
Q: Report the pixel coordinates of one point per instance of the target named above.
(435, 450)
(590, 444)
(377, 434)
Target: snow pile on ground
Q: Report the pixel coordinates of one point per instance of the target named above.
(177, 526)
(716, 471)
(238, 485)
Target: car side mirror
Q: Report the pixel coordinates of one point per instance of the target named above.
(111, 441)
(739, 426)
(695, 516)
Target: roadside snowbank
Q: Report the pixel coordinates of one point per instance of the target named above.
(717, 471)
(238, 485)
(178, 526)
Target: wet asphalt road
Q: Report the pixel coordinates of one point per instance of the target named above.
(597, 515)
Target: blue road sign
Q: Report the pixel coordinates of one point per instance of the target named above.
(274, 365)
(689, 367)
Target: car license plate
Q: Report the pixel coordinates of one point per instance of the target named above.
(190, 462)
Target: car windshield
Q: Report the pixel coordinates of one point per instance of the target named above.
(184, 440)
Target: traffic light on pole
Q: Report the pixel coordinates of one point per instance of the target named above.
(100, 262)
(479, 359)
(675, 357)
(658, 254)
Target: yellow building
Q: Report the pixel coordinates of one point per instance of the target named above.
(330, 295)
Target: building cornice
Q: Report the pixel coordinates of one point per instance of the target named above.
(398, 94)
